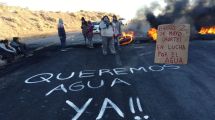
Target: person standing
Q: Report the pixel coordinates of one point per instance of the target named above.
(117, 31)
(90, 34)
(107, 35)
(84, 27)
(62, 33)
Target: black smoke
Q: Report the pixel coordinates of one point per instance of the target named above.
(198, 13)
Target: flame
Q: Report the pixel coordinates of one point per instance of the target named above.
(126, 38)
(207, 30)
(152, 33)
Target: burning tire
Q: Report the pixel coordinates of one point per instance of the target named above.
(126, 38)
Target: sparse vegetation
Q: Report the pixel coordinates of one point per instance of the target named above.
(22, 22)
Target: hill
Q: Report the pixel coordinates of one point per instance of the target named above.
(22, 22)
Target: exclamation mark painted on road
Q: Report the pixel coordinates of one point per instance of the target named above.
(131, 105)
(139, 105)
(132, 108)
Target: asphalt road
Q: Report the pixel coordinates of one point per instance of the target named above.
(72, 38)
(82, 84)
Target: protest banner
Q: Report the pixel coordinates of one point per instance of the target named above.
(172, 44)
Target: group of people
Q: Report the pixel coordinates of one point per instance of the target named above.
(87, 30)
(10, 49)
(110, 33)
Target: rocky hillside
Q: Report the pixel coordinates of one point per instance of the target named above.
(16, 21)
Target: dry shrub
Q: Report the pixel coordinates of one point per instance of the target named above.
(8, 19)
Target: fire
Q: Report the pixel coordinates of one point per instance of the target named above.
(152, 33)
(126, 38)
(207, 30)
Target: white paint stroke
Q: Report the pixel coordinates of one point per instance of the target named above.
(79, 110)
(139, 105)
(104, 107)
(59, 87)
(131, 105)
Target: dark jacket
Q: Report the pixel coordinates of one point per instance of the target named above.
(90, 30)
(61, 31)
(84, 28)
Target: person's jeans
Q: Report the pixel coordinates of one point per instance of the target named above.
(117, 44)
(85, 36)
(108, 42)
(90, 41)
(63, 41)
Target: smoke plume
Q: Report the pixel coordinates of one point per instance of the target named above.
(198, 13)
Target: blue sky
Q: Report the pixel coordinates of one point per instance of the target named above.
(124, 8)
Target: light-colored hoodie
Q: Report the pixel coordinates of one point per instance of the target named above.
(2, 45)
(117, 27)
(106, 31)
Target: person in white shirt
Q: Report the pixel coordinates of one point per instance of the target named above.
(117, 31)
(107, 35)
